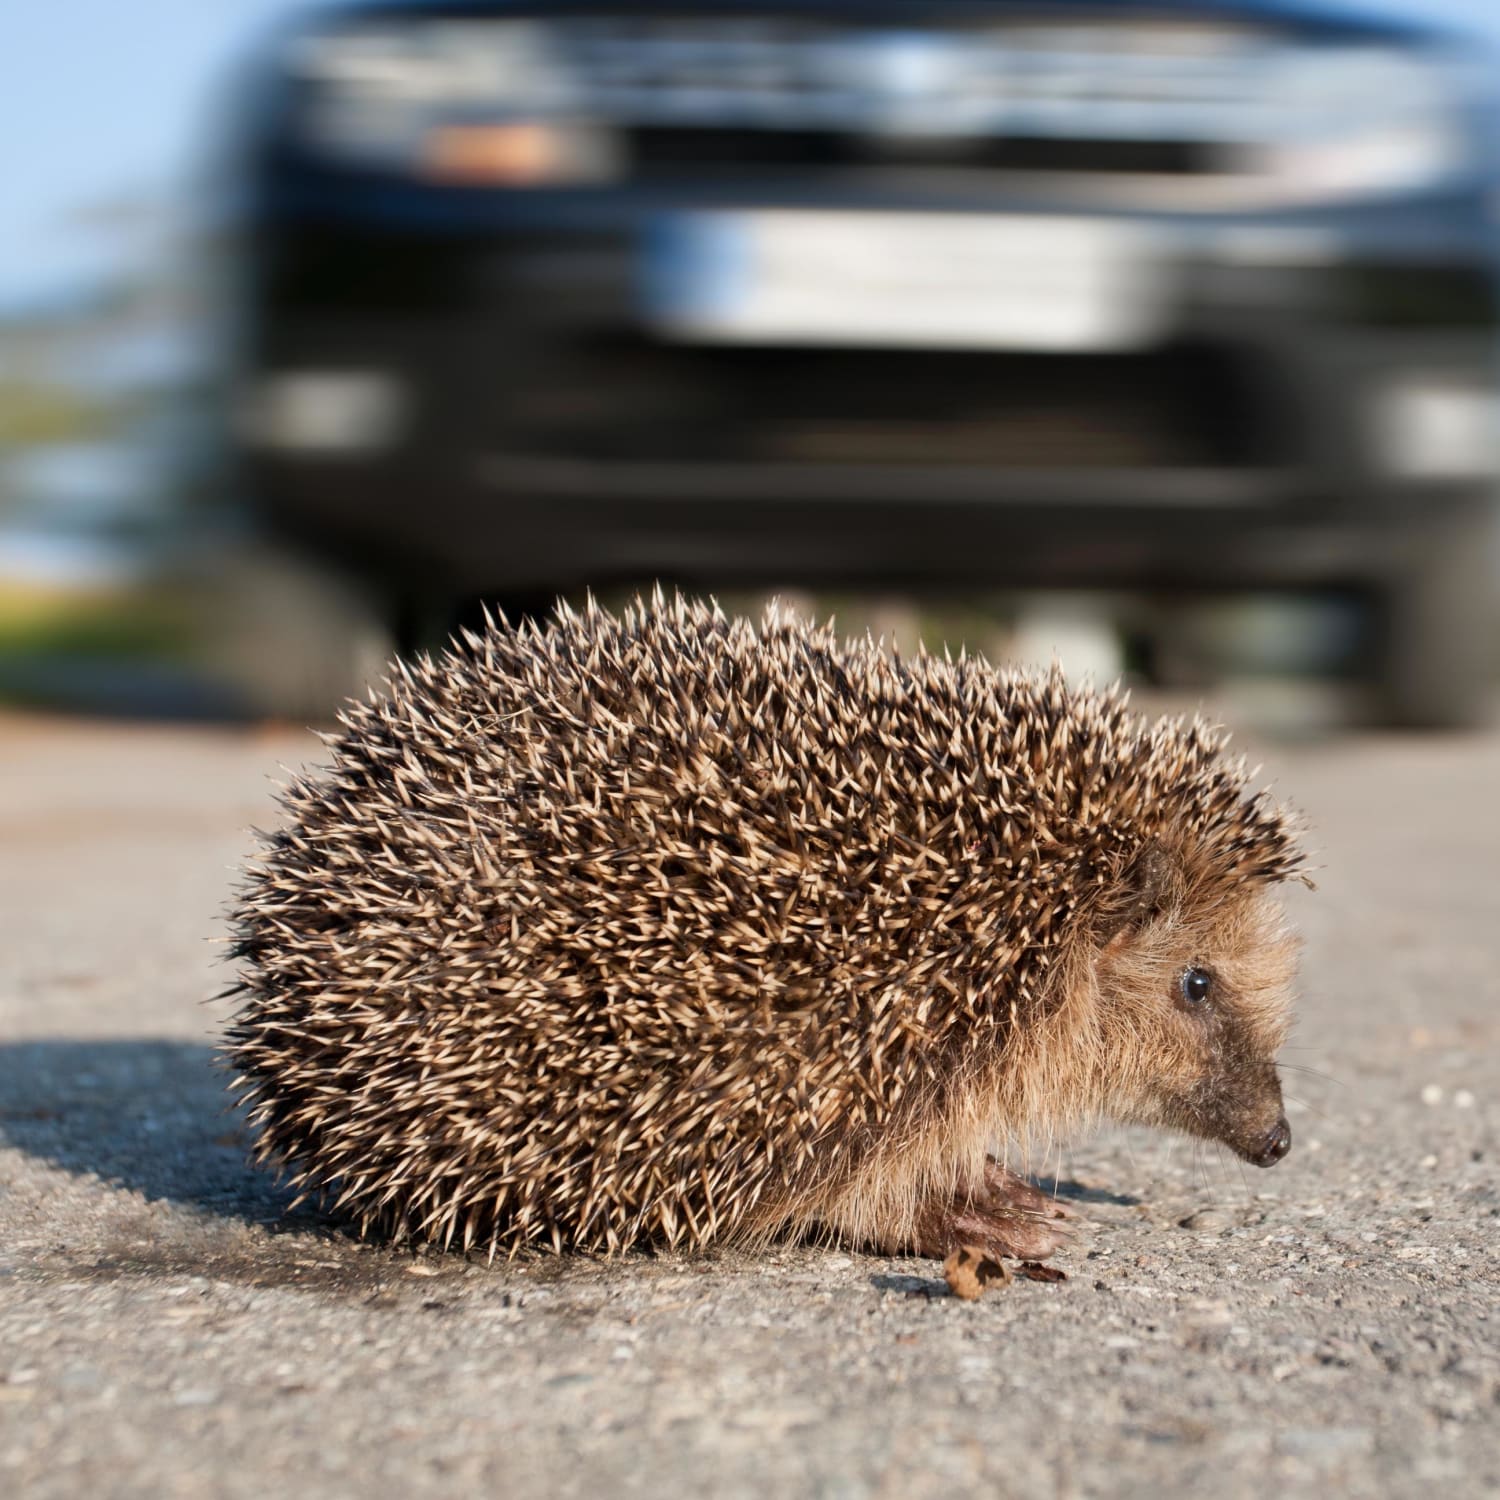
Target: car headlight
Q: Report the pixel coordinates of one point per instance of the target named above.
(1400, 158)
(439, 64)
(1362, 122)
(458, 100)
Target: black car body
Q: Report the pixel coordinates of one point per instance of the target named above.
(1188, 297)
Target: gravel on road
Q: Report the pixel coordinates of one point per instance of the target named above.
(170, 1324)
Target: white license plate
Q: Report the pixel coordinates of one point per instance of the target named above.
(957, 281)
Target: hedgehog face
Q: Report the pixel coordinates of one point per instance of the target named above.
(1195, 1004)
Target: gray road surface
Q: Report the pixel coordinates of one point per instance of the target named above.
(167, 1328)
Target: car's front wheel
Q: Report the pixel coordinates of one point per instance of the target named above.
(1440, 635)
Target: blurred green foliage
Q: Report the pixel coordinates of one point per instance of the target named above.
(34, 414)
(114, 624)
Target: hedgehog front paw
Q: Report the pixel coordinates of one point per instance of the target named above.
(1004, 1215)
(1003, 1189)
(1022, 1236)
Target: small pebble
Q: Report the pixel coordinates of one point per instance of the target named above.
(1429, 1161)
(1463, 1099)
(1205, 1218)
(1432, 1094)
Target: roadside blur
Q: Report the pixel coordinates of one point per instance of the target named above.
(1164, 342)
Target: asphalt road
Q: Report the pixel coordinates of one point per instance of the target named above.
(168, 1327)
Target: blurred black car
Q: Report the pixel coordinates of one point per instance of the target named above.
(1176, 297)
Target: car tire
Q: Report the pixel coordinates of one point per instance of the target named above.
(290, 638)
(1441, 624)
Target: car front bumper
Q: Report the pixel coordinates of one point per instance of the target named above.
(510, 418)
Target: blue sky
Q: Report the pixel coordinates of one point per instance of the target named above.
(98, 99)
(104, 98)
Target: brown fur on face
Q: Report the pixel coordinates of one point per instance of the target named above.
(1207, 1068)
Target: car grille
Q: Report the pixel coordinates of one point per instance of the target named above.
(625, 400)
(659, 152)
(1132, 98)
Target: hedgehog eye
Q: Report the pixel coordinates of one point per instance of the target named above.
(1197, 985)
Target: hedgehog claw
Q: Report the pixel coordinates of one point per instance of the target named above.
(1003, 1186)
(1003, 1216)
(1021, 1236)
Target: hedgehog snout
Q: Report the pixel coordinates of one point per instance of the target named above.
(1274, 1147)
(1248, 1116)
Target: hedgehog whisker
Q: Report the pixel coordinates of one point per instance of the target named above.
(1169, 1149)
(1200, 1160)
(1244, 1181)
(1311, 1108)
(1314, 1072)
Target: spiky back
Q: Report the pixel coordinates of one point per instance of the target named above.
(647, 928)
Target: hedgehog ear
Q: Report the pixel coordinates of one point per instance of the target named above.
(1141, 895)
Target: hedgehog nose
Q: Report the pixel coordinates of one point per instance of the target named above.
(1277, 1144)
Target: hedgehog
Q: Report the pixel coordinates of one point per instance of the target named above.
(672, 929)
